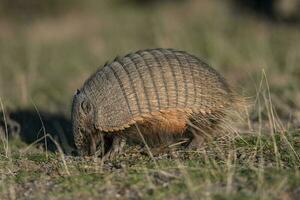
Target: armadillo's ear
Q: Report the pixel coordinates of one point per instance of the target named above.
(78, 91)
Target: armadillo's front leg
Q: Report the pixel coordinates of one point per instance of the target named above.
(116, 148)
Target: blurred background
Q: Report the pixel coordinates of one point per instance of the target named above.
(48, 48)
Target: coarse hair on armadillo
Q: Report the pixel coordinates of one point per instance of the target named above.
(152, 85)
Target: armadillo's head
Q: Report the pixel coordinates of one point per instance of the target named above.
(83, 124)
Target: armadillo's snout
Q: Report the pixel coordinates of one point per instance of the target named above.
(85, 145)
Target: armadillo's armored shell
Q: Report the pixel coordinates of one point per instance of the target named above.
(150, 81)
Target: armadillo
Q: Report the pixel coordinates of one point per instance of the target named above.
(153, 96)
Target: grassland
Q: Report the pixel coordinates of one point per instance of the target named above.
(46, 56)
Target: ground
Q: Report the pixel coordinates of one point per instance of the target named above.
(46, 53)
(250, 167)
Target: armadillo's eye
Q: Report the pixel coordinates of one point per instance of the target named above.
(81, 130)
(86, 106)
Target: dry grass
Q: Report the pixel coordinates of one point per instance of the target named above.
(44, 59)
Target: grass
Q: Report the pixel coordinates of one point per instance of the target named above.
(44, 58)
(240, 170)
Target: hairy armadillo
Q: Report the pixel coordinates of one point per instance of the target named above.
(157, 96)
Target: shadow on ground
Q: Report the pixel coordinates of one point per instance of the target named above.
(32, 126)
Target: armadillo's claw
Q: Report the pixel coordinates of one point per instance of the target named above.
(116, 148)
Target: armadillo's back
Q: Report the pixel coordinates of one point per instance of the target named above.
(153, 80)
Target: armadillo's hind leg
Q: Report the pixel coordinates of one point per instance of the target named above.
(202, 128)
(116, 148)
(200, 131)
(197, 139)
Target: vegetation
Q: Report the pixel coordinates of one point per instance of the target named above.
(45, 56)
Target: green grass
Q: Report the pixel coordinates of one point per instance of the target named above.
(241, 170)
(45, 57)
